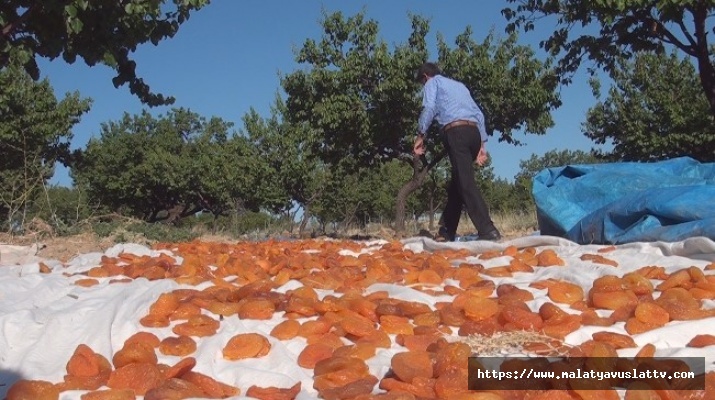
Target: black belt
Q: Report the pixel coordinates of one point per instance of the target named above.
(459, 122)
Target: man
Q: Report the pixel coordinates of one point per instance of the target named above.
(464, 135)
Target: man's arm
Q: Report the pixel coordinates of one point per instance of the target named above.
(429, 107)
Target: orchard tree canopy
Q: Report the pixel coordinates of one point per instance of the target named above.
(98, 31)
(655, 110)
(359, 95)
(35, 132)
(625, 27)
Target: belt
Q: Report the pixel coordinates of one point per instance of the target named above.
(459, 122)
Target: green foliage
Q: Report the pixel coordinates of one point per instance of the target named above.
(171, 167)
(624, 28)
(358, 102)
(63, 208)
(492, 68)
(162, 232)
(97, 31)
(35, 131)
(655, 110)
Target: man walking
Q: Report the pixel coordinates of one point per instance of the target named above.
(464, 135)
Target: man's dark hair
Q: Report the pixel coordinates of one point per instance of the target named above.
(431, 69)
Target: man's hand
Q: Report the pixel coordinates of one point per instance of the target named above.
(419, 147)
(482, 156)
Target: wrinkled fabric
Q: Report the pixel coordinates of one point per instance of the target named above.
(627, 202)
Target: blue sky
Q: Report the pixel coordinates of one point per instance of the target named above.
(228, 58)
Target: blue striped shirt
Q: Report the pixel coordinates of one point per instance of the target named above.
(448, 100)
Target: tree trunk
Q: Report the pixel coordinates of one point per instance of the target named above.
(420, 169)
(705, 66)
(304, 220)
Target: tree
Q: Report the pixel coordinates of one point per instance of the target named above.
(524, 180)
(172, 166)
(35, 131)
(289, 150)
(655, 110)
(624, 29)
(97, 31)
(361, 99)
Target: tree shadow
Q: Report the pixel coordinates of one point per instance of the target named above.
(7, 379)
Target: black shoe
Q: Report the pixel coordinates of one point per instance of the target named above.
(492, 236)
(443, 236)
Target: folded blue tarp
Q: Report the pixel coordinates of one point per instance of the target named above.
(627, 202)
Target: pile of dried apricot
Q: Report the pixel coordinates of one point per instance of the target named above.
(342, 331)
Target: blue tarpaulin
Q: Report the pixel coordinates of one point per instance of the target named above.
(627, 202)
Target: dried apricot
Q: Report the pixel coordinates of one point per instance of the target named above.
(83, 362)
(479, 308)
(175, 389)
(33, 390)
(617, 340)
(146, 337)
(246, 345)
(409, 365)
(703, 340)
(312, 353)
(651, 313)
(177, 346)
(110, 394)
(210, 386)
(139, 377)
(286, 330)
(180, 368)
(134, 352)
(274, 393)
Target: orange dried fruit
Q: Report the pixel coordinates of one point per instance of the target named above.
(635, 326)
(651, 313)
(479, 308)
(197, 325)
(354, 389)
(518, 318)
(314, 327)
(312, 353)
(393, 324)
(88, 282)
(164, 305)
(139, 377)
(246, 345)
(680, 278)
(177, 346)
(548, 258)
(591, 317)
(639, 284)
(274, 393)
(617, 340)
(145, 337)
(409, 365)
(599, 259)
(703, 340)
(134, 352)
(210, 386)
(363, 351)
(110, 394)
(565, 292)
(286, 330)
(613, 300)
(83, 362)
(175, 389)
(180, 368)
(25, 389)
(257, 309)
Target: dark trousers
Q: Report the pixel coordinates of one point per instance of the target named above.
(462, 144)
